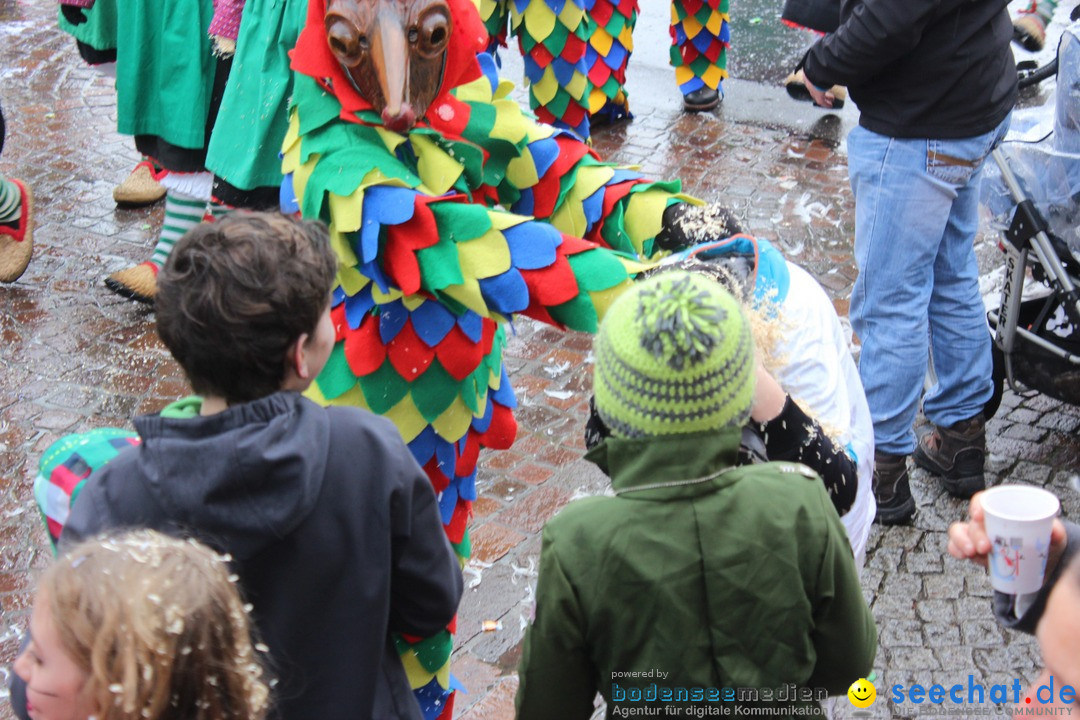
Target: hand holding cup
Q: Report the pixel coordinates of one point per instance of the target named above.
(1019, 507)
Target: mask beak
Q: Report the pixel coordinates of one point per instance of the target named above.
(390, 55)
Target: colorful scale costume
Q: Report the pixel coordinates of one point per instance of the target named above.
(431, 264)
(576, 52)
(700, 35)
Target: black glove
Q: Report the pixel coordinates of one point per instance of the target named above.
(793, 436)
(73, 14)
(686, 225)
(595, 429)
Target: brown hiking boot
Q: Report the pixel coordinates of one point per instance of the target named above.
(956, 453)
(892, 490)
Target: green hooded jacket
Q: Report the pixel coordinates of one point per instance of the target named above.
(698, 584)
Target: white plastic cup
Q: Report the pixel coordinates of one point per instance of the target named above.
(1018, 522)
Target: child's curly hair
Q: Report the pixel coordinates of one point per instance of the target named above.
(159, 626)
(236, 294)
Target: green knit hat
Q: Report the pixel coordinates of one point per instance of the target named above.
(674, 354)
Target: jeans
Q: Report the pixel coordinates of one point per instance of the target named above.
(917, 293)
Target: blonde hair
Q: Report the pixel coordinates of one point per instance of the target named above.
(159, 626)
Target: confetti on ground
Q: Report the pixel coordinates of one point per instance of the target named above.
(559, 394)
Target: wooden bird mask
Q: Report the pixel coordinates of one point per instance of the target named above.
(394, 51)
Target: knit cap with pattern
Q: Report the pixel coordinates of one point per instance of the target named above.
(674, 354)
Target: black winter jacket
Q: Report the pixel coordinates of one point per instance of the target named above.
(921, 68)
(332, 526)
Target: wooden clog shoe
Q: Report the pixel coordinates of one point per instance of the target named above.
(16, 239)
(137, 283)
(140, 188)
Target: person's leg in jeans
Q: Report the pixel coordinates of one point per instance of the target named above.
(903, 216)
(916, 213)
(959, 336)
(954, 447)
(900, 218)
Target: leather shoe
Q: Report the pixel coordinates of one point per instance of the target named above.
(702, 99)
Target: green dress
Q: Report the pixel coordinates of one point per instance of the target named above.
(164, 70)
(99, 30)
(244, 147)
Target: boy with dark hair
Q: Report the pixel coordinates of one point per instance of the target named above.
(269, 299)
(332, 527)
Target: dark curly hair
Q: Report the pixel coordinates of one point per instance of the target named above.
(236, 294)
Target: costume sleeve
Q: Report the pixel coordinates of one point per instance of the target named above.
(844, 634)
(876, 33)
(552, 175)
(226, 19)
(793, 436)
(556, 678)
(1005, 605)
(398, 235)
(560, 179)
(425, 580)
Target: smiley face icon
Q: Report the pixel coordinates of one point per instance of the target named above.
(862, 693)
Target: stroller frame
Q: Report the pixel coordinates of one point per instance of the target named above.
(1028, 234)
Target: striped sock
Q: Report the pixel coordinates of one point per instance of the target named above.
(182, 212)
(219, 211)
(10, 201)
(1045, 8)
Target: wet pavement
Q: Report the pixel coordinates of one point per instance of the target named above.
(73, 356)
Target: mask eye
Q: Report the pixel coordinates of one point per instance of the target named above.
(431, 34)
(345, 41)
(347, 25)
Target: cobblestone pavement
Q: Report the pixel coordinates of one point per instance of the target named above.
(73, 356)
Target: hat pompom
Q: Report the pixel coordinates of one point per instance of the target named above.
(674, 355)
